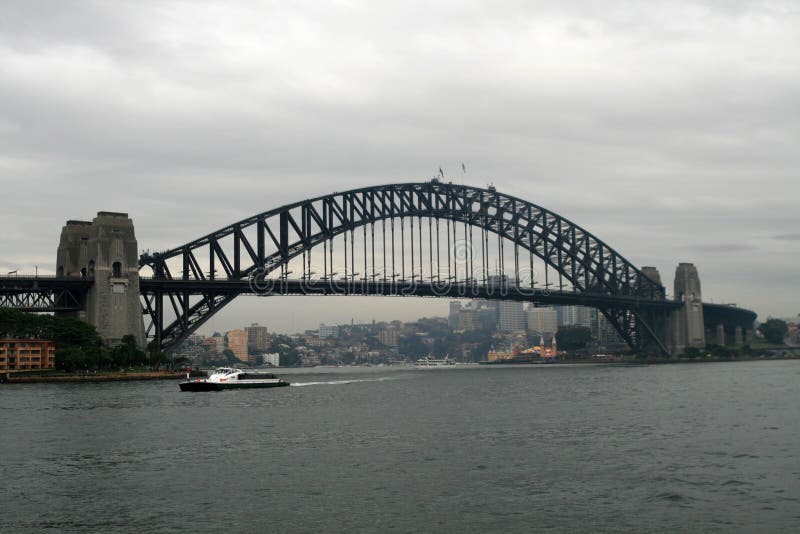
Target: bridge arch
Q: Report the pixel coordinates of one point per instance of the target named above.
(267, 242)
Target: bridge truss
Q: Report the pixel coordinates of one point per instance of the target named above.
(43, 294)
(422, 239)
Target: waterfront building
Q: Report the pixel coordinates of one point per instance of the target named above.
(512, 316)
(18, 354)
(236, 341)
(326, 331)
(271, 358)
(388, 337)
(195, 339)
(257, 337)
(192, 351)
(542, 320)
(309, 360)
(215, 344)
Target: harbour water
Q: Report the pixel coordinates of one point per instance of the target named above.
(578, 448)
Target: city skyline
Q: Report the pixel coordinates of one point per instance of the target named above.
(664, 129)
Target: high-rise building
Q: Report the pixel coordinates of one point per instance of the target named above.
(272, 359)
(237, 343)
(543, 320)
(388, 337)
(469, 319)
(215, 344)
(606, 333)
(512, 316)
(327, 331)
(452, 318)
(257, 338)
(574, 316)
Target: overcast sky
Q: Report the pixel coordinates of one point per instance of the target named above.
(669, 129)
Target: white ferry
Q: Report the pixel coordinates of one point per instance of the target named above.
(427, 361)
(229, 378)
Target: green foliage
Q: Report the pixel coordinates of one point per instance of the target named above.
(692, 352)
(573, 337)
(126, 354)
(722, 352)
(442, 346)
(71, 359)
(231, 357)
(158, 358)
(774, 330)
(285, 347)
(412, 347)
(78, 345)
(64, 331)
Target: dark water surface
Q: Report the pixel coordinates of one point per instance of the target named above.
(691, 448)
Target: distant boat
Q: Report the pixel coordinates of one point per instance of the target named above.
(229, 378)
(427, 361)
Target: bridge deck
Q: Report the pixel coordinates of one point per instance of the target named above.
(272, 287)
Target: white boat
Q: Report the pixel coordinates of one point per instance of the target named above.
(230, 378)
(427, 361)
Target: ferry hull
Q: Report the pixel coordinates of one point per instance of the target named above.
(202, 385)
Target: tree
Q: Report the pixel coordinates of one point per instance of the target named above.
(285, 347)
(157, 359)
(70, 359)
(231, 357)
(64, 331)
(692, 352)
(412, 347)
(774, 330)
(573, 337)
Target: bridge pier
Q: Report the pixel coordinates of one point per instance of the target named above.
(720, 335)
(686, 324)
(105, 251)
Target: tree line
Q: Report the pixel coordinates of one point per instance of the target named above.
(78, 345)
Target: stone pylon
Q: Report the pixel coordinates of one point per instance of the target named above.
(687, 327)
(106, 251)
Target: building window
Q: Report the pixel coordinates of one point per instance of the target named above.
(116, 269)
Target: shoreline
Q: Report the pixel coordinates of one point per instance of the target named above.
(20, 378)
(25, 378)
(655, 361)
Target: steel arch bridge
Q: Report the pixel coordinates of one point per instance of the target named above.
(422, 239)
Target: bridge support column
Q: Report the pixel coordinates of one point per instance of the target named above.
(657, 320)
(72, 257)
(106, 251)
(686, 324)
(737, 335)
(721, 335)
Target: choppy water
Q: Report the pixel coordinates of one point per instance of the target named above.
(692, 448)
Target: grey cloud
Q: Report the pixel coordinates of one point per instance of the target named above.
(722, 247)
(787, 237)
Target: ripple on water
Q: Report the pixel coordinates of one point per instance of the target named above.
(481, 450)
